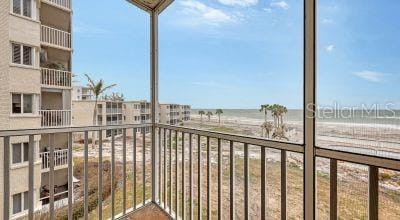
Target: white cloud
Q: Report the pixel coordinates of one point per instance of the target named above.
(242, 3)
(280, 4)
(201, 13)
(370, 76)
(330, 48)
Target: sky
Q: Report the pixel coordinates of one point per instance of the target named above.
(243, 53)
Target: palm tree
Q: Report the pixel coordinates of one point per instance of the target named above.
(275, 114)
(268, 126)
(97, 88)
(265, 108)
(282, 110)
(219, 112)
(201, 113)
(209, 114)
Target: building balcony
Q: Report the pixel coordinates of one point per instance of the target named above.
(118, 122)
(60, 193)
(240, 188)
(56, 38)
(53, 78)
(62, 4)
(55, 118)
(60, 160)
(113, 111)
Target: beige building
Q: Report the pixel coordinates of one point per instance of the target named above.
(35, 73)
(137, 112)
(174, 114)
(108, 113)
(82, 93)
(185, 113)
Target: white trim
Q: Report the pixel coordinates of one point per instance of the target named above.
(34, 49)
(24, 66)
(23, 165)
(24, 211)
(35, 105)
(33, 10)
(23, 162)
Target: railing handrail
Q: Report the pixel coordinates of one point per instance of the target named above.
(54, 36)
(56, 194)
(55, 29)
(39, 131)
(55, 118)
(55, 151)
(50, 69)
(61, 3)
(363, 159)
(58, 154)
(57, 110)
(293, 147)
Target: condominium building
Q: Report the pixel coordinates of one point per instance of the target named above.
(82, 93)
(174, 114)
(124, 112)
(185, 112)
(137, 112)
(108, 113)
(35, 73)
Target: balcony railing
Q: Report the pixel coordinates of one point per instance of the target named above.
(118, 122)
(114, 111)
(180, 161)
(55, 118)
(56, 78)
(65, 4)
(60, 158)
(55, 37)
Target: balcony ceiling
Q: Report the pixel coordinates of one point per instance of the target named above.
(151, 5)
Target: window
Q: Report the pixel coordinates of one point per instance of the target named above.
(23, 103)
(20, 202)
(22, 7)
(27, 55)
(28, 104)
(22, 54)
(20, 152)
(16, 104)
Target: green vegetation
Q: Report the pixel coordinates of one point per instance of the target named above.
(219, 112)
(209, 114)
(98, 88)
(201, 113)
(278, 127)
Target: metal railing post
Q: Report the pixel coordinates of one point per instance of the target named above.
(154, 103)
(309, 108)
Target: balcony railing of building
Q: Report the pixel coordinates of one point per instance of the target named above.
(56, 78)
(64, 4)
(55, 37)
(185, 160)
(55, 118)
(118, 122)
(114, 111)
(60, 158)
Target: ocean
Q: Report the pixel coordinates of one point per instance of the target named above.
(391, 118)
